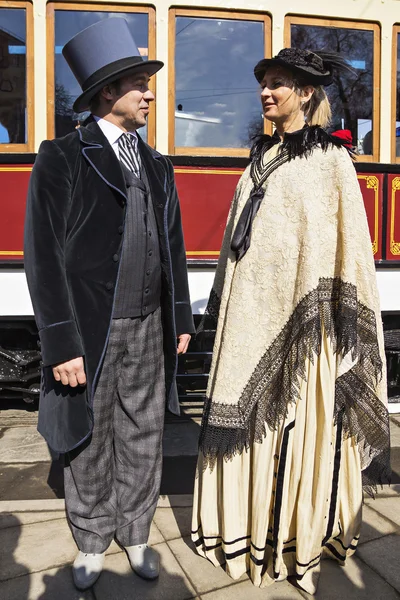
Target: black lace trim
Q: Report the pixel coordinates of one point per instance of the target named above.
(367, 419)
(209, 320)
(228, 430)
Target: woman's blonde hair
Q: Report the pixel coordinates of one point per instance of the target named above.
(317, 111)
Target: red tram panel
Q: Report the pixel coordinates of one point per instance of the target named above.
(205, 194)
(371, 185)
(14, 181)
(393, 220)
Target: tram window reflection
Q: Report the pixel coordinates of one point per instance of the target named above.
(217, 102)
(351, 95)
(13, 105)
(67, 24)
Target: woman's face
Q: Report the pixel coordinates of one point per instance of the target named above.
(279, 99)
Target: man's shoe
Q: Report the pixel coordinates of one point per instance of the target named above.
(144, 561)
(86, 569)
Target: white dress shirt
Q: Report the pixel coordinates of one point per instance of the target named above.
(113, 133)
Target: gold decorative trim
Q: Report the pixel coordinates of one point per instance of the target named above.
(373, 184)
(13, 169)
(193, 253)
(203, 252)
(208, 172)
(394, 246)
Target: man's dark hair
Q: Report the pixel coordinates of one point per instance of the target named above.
(95, 101)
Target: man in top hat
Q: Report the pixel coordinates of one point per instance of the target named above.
(106, 268)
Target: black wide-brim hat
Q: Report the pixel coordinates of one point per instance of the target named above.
(101, 54)
(309, 66)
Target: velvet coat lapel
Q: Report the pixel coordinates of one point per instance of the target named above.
(98, 152)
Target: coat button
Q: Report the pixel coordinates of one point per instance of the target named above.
(150, 252)
(146, 291)
(148, 272)
(115, 258)
(109, 285)
(120, 229)
(149, 233)
(159, 205)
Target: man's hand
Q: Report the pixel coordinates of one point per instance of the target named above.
(183, 343)
(71, 372)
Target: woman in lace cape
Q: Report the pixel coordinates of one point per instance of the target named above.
(295, 421)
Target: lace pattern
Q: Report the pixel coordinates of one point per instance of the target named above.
(211, 313)
(332, 308)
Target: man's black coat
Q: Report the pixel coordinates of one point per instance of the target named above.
(73, 239)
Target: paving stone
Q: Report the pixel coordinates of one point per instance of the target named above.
(383, 556)
(17, 414)
(395, 419)
(155, 536)
(394, 435)
(355, 581)
(31, 481)
(46, 585)
(42, 505)
(201, 572)
(374, 525)
(119, 582)
(23, 445)
(27, 518)
(114, 548)
(386, 491)
(175, 501)
(395, 463)
(173, 522)
(35, 547)
(51, 538)
(247, 591)
(389, 507)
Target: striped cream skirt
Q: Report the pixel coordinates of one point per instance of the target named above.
(278, 508)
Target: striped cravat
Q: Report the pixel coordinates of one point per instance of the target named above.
(128, 155)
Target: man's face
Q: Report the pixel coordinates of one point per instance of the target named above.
(132, 102)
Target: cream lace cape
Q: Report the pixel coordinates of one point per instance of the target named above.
(309, 272)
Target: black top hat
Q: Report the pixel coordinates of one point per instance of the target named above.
(312, 67)
(103, 53)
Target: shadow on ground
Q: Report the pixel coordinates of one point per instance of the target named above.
(357, 581)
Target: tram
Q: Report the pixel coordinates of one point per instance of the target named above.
(207, 111)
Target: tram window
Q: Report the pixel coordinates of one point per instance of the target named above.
(69, 21)
(351, 95)
(397, 95)
(215, 104)
(14, 111)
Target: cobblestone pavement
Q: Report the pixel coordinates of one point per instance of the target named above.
(36, 547)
